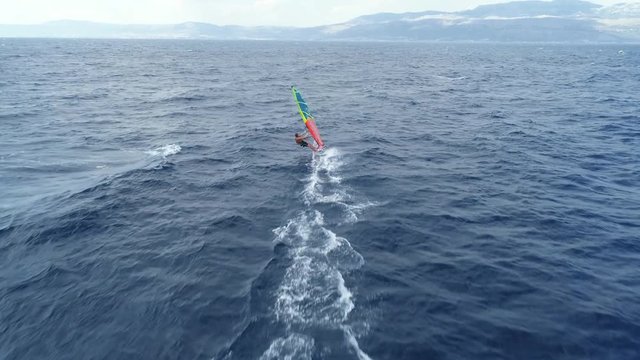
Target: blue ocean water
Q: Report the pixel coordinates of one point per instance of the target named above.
(474, 201)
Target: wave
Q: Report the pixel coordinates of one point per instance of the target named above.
(85, 177)
(165, 150)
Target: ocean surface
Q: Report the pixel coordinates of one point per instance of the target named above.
(473, 202)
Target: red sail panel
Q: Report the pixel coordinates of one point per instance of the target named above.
(313, 131)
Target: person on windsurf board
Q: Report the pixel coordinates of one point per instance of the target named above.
(309, 122)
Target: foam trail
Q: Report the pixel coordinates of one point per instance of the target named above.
(324, 186)
(293, 347)
(351, 339)
(318, 188)
(313, 293)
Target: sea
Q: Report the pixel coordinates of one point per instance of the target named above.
(473, 201)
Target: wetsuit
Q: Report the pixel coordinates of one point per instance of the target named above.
(302, 143)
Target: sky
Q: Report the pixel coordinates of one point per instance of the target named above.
(221, 12)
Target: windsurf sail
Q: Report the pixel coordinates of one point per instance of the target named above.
(308, 119)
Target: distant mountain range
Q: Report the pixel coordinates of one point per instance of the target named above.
(519, 21)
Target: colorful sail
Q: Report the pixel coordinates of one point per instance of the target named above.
(305, 113)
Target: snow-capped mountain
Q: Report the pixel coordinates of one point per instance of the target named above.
(624, 10)
(518, 21)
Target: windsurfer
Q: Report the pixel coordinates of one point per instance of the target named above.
(300, 140)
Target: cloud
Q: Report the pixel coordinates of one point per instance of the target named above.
(266, 3)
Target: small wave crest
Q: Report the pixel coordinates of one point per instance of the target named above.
(165, 150)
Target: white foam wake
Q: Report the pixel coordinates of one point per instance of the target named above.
(293, 347)
(324, 186)
(313, 290)
(313, 293)
(351, 339)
